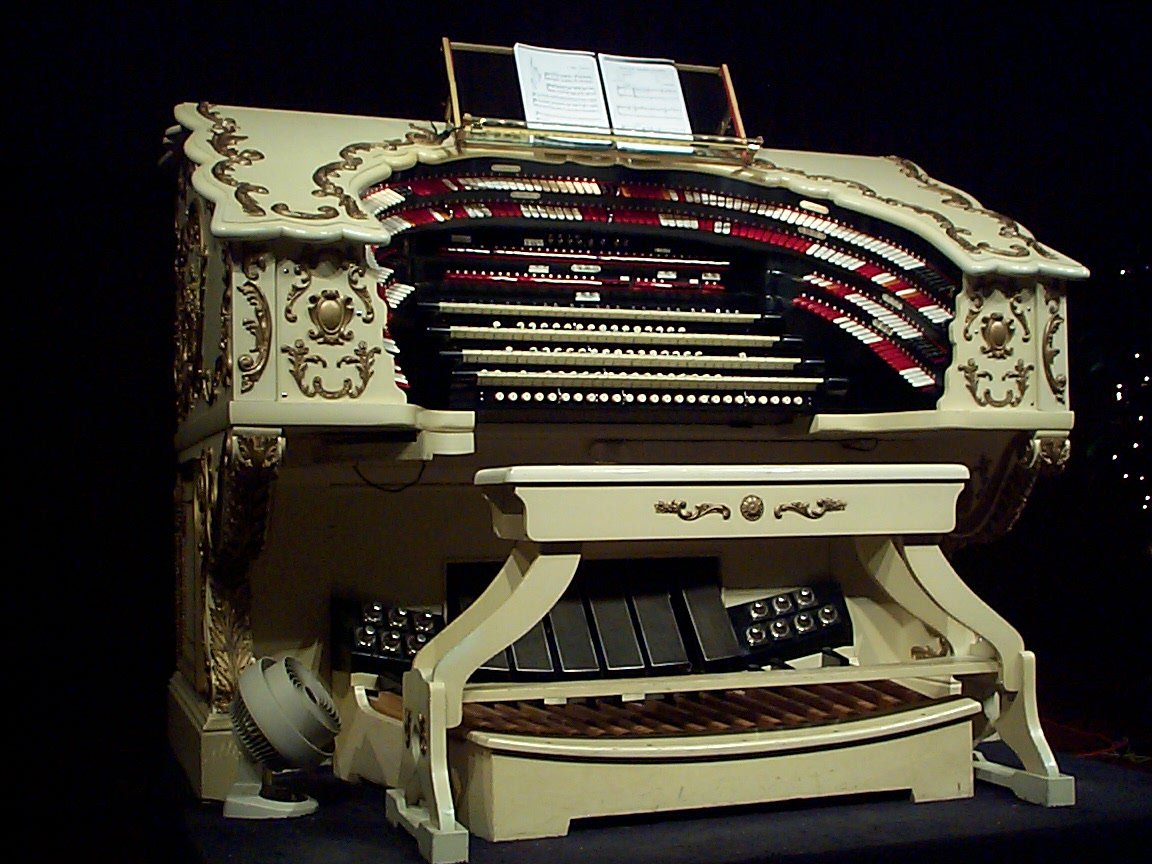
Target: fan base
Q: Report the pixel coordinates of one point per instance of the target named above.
(244, 801)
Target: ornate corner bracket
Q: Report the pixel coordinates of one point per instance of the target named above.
(233, 505)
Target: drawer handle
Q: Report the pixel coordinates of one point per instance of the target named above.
(681, 509)
(823, 505)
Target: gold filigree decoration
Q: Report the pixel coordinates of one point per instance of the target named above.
(363, 359)
(331, 313)
(997, 332)
(1053, 454)
(823, 506)
(229, 639)
(1016, 304)
(681, 509)
(992, 502)
(422, 734)
(973, 375)
(232, 504)
(1022, 243)
(224, 140)
(975, 307)
(930, 651)
(302, 271)
(752, 507)
(356, 285)
(259, 327)
(1057, 383)
(190, 270)
(324, 176)
(1020, 248)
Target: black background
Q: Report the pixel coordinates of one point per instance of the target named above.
(1037, 112)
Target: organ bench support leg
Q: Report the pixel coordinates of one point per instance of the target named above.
(529, 584)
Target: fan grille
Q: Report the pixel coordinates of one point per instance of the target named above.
(319, 699)
(252, 741)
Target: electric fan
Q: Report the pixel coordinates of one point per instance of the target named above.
(282, 719)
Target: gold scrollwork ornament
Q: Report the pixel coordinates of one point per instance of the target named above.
(255, 361)
(1057, 383)
(225, 137)
(231, 515)
(823, 506)
(1051, 453)
(190, 272)
(688, 514)
(300, 358)
(973, 375)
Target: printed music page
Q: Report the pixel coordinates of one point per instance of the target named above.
(561, 89)
(645, 97)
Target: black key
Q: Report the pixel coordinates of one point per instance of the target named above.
(658, 630)
(530, 654)
(710, 624)
(618, 644)
(575, 651)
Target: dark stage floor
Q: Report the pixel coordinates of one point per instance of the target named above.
(1113, 814)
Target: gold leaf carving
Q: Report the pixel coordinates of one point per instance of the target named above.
(992, 501)
(300, 358)
(190, 268)
(997, 332)
(975, 306)
(224, 139)
(1020, 245)
(681, 509)
(356, 276)
(823, 506)
(1058, 384)
(302, 270)
(1016, 304)
(973, 375)
(752, 507)
(253, 363)
(232, 507)
(230, 641)
(222, 373)
(325, 176)
(331, 313)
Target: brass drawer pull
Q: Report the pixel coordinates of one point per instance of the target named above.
(681, 509)
(823, 505)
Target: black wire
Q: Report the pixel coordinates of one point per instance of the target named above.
(391, 489)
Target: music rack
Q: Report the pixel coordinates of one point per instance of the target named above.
(491, 132)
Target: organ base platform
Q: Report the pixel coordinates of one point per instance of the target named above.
(528, 786)
(510, 760)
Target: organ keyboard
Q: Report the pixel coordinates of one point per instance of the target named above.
(802, 372)
(781, 261)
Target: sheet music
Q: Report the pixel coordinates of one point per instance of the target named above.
(644, 96)
(561, 89)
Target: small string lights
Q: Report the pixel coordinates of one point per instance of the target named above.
(1119, 424)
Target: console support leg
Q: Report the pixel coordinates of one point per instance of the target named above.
(529, 584)
(1018, 723)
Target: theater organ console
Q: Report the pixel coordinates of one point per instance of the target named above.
(671, 441)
